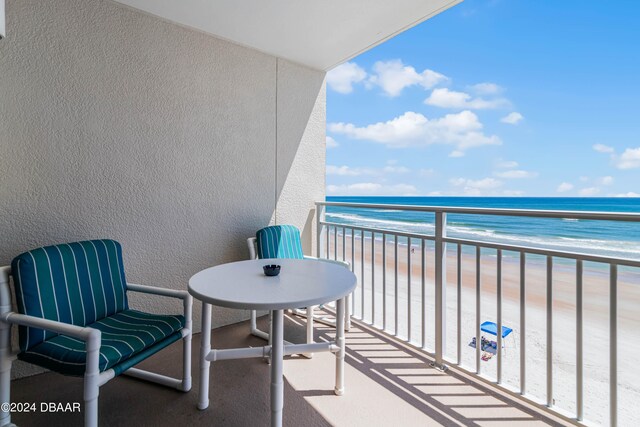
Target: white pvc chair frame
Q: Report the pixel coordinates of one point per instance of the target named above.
(253, 254)
(93, 378)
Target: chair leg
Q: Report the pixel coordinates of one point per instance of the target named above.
(186, 363)
(91, 379)
(205, 349)
(6, 360)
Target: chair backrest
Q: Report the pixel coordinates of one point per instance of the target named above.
(279, 241)
(252, 245)
(77, 283)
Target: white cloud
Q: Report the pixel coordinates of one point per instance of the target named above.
(426, 172)
(589, 191)
(344, 171)
(445, 98)
(516, 174)
(601, 148)
(372, 189)
(564, 187)
(349, 171)
(462, 130)
(478, 187)
(629, 194)
(487, 88)
(513, 192)
(332, 143)
(393, 76)
(456, 153)
(606, 180)
(506, 164)
(512, 118)
(344, 76)
(396, 169)
(630, 159)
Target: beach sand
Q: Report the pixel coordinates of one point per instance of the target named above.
(596, 319)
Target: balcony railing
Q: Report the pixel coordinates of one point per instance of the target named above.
(400, 305)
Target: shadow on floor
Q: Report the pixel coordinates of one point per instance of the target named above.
(239, 390)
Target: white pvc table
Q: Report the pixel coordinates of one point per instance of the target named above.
(243, 285)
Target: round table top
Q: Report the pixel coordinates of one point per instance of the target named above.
(301, 283)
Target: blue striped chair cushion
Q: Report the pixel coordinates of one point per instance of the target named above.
(76, 283)
(279, 241)
(124, 336)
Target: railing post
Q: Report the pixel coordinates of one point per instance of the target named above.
(441, 286)
(320, 211)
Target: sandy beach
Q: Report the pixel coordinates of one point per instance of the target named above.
(596, 319)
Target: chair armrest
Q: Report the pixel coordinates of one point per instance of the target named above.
(80, 332)
(332, 261)
(154, 290)
(187, 299)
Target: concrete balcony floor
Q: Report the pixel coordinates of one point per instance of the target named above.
(387, 384)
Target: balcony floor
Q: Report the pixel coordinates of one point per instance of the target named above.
(387, 384)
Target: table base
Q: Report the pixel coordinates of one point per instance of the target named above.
(277, 350)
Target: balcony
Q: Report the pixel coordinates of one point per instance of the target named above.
(115, 122)
(388, 383)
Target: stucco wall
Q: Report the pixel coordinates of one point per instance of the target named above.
(179, 145)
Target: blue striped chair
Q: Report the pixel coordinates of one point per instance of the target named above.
(283, 241)
(74, 318)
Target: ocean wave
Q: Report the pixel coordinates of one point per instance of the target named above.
(620, 248)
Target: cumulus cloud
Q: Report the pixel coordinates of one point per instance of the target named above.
(476, 187)
(516, 174)
(332, 143)
(629, 194)
(629, 159)
(372, 189)
(512, 118)
(601, 148)
(513, 192)
(445, 98)
(456, 153)
(342, 78)
(589, 191)
(462, 130)
(564, 187)
(393, 76)
(487, 88)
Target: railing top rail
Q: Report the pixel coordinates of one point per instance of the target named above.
(590, 215)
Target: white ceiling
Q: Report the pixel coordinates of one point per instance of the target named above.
(317, 33)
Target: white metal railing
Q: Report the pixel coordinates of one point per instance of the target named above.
(332, 232)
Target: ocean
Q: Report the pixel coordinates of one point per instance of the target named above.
(608, 238)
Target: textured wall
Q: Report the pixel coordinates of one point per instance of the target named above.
(116, 124)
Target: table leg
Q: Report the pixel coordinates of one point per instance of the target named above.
(339, 390)
(277, 353)
(205, 349)
(309, 329)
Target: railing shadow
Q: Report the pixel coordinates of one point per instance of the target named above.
(447, 398)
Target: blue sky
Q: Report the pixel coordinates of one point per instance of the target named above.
(493, 97)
